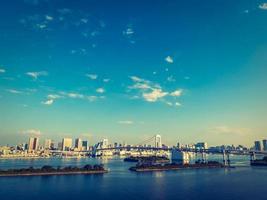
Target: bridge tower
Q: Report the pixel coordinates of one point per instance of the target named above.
(158, 143)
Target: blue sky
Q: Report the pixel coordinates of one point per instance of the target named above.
(126, 70)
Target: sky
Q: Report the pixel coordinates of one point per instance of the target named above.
(190, 71)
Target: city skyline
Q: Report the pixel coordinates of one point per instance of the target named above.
(69, 70)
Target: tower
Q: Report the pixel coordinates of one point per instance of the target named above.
(158, 141)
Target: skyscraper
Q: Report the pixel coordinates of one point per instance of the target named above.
(264, 142)
(66, 144)
(78, 144)
(257, 145)
(85, 145)
(33, 144)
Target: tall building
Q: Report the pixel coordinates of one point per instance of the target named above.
(264, 142)
(66, 144)
(85, 145)
(158, 143)
(257, 145)
(47, 144)
(104, 143)
(33, 144)
(78, 144)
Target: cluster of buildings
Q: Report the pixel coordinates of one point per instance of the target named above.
(79, 147)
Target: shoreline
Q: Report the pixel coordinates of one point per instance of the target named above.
(55, 173)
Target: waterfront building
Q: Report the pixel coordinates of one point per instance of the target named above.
(47, 144)
(201, 145)
(180, 156)
(264, 142)
(33, 144)
(66, 144)
(78, 144)
(158, 143)
(257, 146)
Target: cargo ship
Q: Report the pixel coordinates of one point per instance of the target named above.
(173, 166)
(259, 162)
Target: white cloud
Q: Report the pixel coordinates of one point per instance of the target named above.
(169, 59)
(48, 102)
(128, 31)
(2, 70)
(14, 91)
(75, 95)
(92, 76)
(54, 96)
(41, 26)
(100, 90)
(35, 75)
(32, 133)
(49, 18)
(106, 80)
(125, 122)
(177, 104)
(177, 93)
(136, 79)
(152, 92)
(92, 98)
(263, 6)
(154, 95)
(169, 103)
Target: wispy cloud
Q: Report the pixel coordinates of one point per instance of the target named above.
(153, 92)
(2, 70)
(263, 6)
(154, 95)
(100, 90)
(49, 18)
(177, 93)
(31, 133)
(54, 96)
(48, 102)
(13, 91)
(128, 31)
(35, 75)
(127, 122)
(106, 80)
(92, 76)
(169, 59)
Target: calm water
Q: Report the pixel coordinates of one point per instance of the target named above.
(242, 182)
